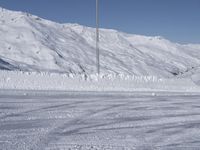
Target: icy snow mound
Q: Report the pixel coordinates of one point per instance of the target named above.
(30, 43)
(12, 80)
(196, 78)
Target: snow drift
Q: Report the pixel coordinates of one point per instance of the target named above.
(69, 82)
(30, 43)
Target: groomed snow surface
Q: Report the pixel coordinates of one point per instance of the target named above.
(99, 121)
(53, 111)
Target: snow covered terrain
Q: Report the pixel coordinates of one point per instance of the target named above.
(30, 43)
(99, 121)
(146, 97)
(70, 82)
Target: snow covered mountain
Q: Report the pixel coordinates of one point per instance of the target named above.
(30, 43)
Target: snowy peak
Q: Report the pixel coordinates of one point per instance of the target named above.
(30, 43)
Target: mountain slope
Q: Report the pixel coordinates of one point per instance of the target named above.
(30, 43)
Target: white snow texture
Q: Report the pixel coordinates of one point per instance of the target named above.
(30, 43)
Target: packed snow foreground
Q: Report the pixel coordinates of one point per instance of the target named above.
(99, 121)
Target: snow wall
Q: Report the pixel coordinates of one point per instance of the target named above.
(70, 82)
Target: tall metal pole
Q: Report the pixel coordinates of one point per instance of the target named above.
(97, 37)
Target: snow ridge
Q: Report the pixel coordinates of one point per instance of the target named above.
(111, 82)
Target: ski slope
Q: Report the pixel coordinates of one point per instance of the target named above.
(30, 43)
(99, 121)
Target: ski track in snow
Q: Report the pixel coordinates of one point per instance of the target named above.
(98, 121)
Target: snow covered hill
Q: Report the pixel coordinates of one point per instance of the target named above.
(30, 43)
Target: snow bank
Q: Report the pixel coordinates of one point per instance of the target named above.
(196, 78)
(71, 82)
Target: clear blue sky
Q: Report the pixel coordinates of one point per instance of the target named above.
(177, 20)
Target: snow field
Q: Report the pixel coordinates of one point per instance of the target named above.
(99, 121)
